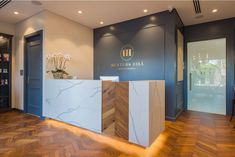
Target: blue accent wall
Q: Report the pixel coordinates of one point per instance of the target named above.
(212, 30)
(153, 39)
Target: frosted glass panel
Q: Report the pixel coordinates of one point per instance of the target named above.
(207, 76)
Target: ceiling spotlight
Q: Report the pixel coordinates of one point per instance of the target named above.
(101, 22)
(145, 10)
(214, 10)
(79, 12)
(111, 28)
(16, 13)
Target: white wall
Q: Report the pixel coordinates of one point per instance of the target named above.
(60, 35)
(65, 36)
(23, 28)
(7, 28)
(10, 29)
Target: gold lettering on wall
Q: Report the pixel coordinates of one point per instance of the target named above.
(123, 53)
(129, 52)
(128, 65)
(126, 54)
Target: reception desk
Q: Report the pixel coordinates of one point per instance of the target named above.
(133, 110)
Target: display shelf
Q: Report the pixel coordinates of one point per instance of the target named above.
(5, 71)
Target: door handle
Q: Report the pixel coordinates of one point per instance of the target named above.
(190, 81)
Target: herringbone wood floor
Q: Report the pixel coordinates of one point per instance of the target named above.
(194, 134)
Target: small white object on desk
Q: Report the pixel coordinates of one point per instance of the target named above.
(110, 78)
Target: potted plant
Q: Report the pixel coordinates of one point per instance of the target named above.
(58, 62)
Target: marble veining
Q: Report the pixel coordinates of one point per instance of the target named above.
(74, 101)
(132, 123)
(146, 111)
(138, 112)
(79, 102)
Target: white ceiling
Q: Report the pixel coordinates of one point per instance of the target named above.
(116, 11)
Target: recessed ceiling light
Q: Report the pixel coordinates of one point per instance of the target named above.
(199, 16)
(16, 13)
(101, 22)
(145, 10)
(214, 10)
(79, 12)
(36, 2)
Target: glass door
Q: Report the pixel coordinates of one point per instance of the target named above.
(207, 76)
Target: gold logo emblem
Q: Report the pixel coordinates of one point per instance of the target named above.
(127, 53)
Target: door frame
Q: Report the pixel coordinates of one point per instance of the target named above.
(226, 70)
(227, 86)
(37, 33)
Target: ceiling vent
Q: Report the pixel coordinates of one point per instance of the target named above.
(4, 2)
(197, 6)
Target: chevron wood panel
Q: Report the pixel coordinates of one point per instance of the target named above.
(122, 110)
(108, 107)
(115, 108)
(194, 134)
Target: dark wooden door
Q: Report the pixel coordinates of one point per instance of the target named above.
(34, 75)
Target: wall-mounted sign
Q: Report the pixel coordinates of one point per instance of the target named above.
(127, 54)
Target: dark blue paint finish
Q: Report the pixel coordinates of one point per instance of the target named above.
(213, 30)
(179, 84)
(154, 40)
(179, 96)
(33, 74)
(146, 50)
